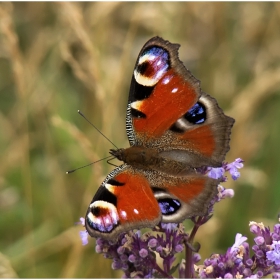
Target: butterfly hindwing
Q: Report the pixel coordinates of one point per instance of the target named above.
(129, 199)
(124, 201)
(181, 197)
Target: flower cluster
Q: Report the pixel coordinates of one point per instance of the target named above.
(135, 253)
(237, 263)
(266, 249)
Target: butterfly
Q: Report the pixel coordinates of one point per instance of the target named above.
(174, 129)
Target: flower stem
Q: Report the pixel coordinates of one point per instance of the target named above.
(189, 272)
(188, 265)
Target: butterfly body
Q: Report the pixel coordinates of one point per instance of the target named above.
(174, 129)
(150, 159)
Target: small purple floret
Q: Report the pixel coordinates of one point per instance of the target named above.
(84, 237)
(274, 254)
(179, 248)
(196, 257)
(143, 253)
(259, 240)
(233, 168)
(216, 173)
(152, 243)
(228, 276)
(132, 258)
(121, 250)
(239, 239)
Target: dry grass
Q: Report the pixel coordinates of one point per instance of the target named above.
(56, 58)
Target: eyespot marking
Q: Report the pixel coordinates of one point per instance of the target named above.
(102, 216)
(197, 114)
(169, 206)
(152, 65)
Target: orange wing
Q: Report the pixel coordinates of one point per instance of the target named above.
(167, 110)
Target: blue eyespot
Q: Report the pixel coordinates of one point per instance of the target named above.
(197, 114)
(157, 52)
(101, 227)
(152, 63)
(169, 206)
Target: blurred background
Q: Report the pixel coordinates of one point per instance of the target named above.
(56, 58)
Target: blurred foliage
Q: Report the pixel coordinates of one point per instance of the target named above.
(56, 58)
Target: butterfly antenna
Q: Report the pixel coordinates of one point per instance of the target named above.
(96, 128)
(71, 171)
(108, 161)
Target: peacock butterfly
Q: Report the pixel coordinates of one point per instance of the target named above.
(173, 129)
